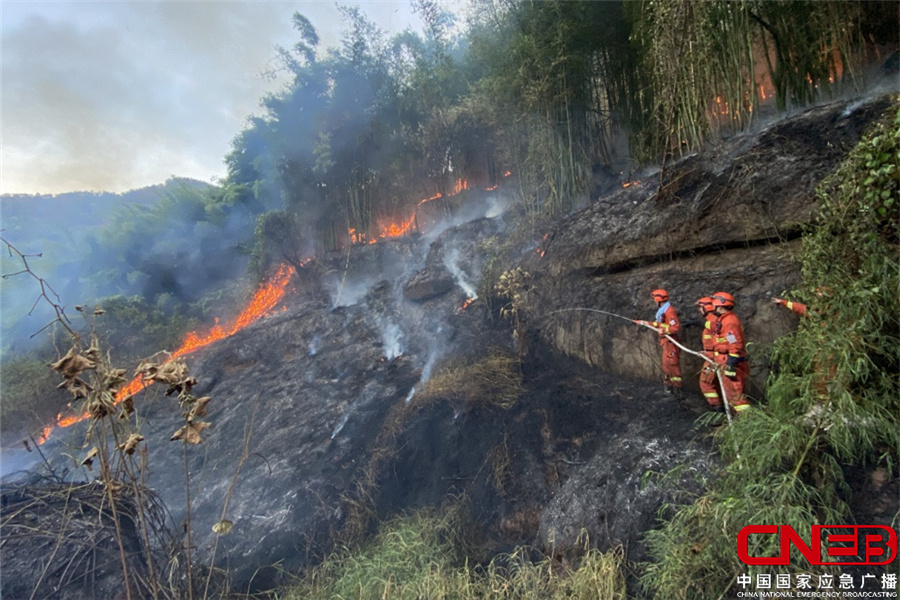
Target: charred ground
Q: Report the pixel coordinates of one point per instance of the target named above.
(330, 393)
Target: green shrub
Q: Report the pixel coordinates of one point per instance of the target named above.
(27, 388)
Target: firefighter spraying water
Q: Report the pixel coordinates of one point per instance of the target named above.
(713, 368)
(668, 326)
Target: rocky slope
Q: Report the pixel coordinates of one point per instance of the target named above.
(319, 421)
(727, 219)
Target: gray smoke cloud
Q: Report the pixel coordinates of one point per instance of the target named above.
(119, 95)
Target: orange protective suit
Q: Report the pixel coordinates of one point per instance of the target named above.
(667, 323)
(708, 379)
(822, 374)
(730, 350)
(796, 307)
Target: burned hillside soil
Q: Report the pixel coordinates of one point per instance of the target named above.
(579, 452)
(60, 541)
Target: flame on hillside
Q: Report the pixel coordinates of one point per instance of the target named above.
(263, 303)
(395, 229)
(467, 303)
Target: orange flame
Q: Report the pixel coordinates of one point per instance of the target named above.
(467, 303)
(262, 304)
(399, 229)
(392, 230)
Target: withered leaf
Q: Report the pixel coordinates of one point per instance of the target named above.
(99, 409)
(199, 407)
(172, 373)
(190, 433)
(114, 378)
(128, 404)
(182, 387)
(88, 460)
(223, 527)
(76, 386)
(99, 311)
(72, 364)
(146, 368)
(130, 445)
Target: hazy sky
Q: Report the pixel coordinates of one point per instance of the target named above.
(112, 96)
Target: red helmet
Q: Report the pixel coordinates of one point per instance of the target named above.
(723, 299)
(705, 302)
(660, 295)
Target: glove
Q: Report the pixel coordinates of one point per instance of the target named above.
(731, 367)
(779, 301)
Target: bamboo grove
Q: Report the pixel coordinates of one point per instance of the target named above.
(554, 92)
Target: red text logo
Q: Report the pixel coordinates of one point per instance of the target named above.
(849, 544)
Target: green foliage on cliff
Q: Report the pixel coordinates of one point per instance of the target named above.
(834, 402)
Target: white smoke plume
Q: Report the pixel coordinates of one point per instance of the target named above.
(391, 339)
(451, 261)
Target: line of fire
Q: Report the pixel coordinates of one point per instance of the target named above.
(264, 302)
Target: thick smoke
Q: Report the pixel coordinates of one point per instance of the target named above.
(157, 243)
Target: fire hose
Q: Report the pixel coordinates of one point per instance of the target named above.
(705, 358)
(667, 336)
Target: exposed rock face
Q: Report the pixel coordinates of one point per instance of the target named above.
(727, 219)
(426, 285)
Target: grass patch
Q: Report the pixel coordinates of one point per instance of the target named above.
(420, 556)
(494, 380)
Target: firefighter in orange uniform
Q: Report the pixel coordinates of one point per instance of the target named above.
(708, 379)
(667, 323)
(822, 373)
(730, 352)
(795, 307)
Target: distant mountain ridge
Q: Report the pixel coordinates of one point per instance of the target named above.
(62, 234)
(82, 209)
